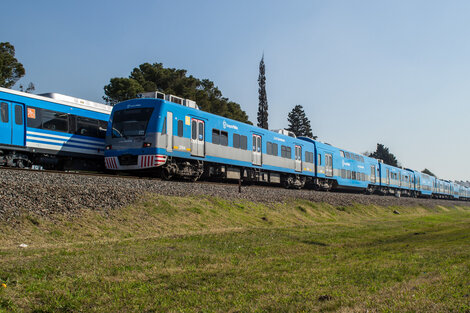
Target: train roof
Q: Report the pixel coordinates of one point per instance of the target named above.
(63, 99)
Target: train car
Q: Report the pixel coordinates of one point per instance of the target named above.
(426, 183)
(406, 183)
(389, 179)
(51, 130)
(442, 189)
(455, 190)
(464, 193)
(180, 140)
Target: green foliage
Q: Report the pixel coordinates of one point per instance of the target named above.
(426, 171)
(263, 99)
(152, 77)
(10, 69)
(299, 123)
(382, 153)
(121, 89)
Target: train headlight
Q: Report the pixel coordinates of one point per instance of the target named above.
(109, 147)
(146, 144)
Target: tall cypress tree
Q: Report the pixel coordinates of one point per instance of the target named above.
(263, 100)
(299, 123)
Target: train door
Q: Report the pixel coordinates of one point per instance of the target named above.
(5, 123)
(256, 154)
(18, 129)
(298, 158)
(328, 165)
(197, 138)
(388, 176)
(169, 131)
(372, 174)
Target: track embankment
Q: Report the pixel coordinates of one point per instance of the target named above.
(47, 194)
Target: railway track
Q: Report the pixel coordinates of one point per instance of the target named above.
(129, 176)
(47, 193)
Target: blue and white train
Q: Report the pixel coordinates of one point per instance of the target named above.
(51, 130)
(172, 136)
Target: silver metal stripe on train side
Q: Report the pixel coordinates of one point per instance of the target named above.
(219, 151)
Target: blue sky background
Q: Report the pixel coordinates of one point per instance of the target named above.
(395, 72)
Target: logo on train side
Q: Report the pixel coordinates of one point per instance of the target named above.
(31, 113)
(226, 125)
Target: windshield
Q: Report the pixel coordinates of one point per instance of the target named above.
(131, 122)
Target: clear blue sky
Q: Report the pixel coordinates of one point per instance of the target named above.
(395, 72)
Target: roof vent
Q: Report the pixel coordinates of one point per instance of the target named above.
(70, 99)
(160, 95)
(152, 94)
(285, 132)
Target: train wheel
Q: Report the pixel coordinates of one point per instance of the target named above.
(166, 173)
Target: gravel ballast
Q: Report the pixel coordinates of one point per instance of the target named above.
(46, 193)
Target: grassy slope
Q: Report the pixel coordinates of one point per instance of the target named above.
(206, 254)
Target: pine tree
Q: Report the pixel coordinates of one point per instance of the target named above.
(382, 153)
(299, 123)
(263, 100)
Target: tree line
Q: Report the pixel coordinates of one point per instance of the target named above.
(156, 77)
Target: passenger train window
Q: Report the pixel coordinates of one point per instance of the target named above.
(236, 140)
(275, 149)
(102, 127)
(308, 157)
(341, 153)
(224, 138)
(86, 127)
(63, 122)
(319, 159)
(18, 115)
(56, 121)
(34, 118)
(164, 127)
(193, 129)
(4, 109)
(269, 148)
(244, 142)
(215, 136)
(180, 128)
(201, 131)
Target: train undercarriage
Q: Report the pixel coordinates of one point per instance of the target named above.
(26, 159)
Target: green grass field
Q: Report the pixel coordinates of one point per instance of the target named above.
(210, 255)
